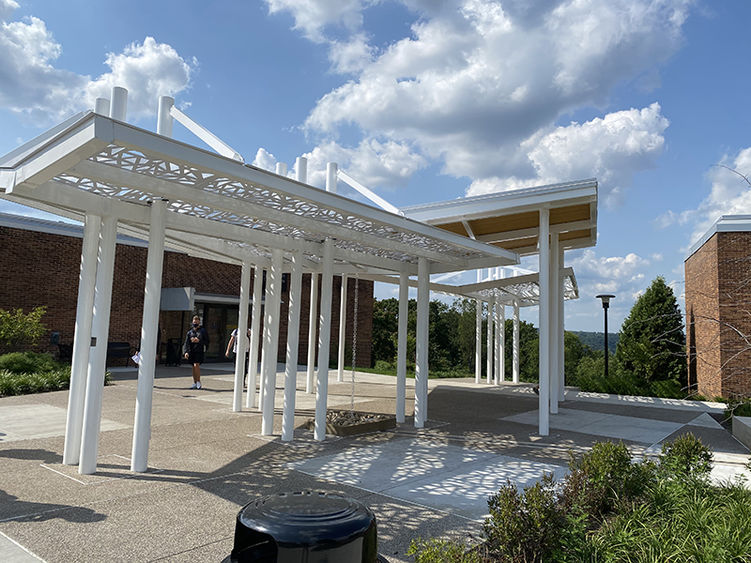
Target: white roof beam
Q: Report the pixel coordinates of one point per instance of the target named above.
(205, 135)
(177, 192)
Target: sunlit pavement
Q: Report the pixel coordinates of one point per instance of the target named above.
(207, 462)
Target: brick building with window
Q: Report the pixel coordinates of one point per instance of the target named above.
(718, 309)
(40, 266)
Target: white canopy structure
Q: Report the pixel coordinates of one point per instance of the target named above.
(115, 177)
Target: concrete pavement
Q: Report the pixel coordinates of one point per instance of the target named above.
(206, 462)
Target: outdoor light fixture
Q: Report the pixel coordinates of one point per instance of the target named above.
(606, 297)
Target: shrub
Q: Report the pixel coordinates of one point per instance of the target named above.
(28, 362)
(441, 551)
(19, 330)
(524, 526)
(22, 373)
(686, 456)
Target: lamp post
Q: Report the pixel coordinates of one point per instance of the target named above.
(606, 297)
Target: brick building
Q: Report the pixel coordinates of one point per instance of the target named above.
(718, 309)
(40, 262)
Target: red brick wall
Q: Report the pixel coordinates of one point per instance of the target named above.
(702, 326)
(734, 263)
(42, 269)
(718, 309)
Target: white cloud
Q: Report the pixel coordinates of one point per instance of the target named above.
(730, 194)
(612, 149)
(373, 163)
(312, 17)
(33, 86)
(148, 70)
(479, 84)
(350, 56)
(7, 7)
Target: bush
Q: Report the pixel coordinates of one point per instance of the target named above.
(28, 362)
(524, 526)
(685, 457)
(19, 330)
(441, 551)
(22, 373)
(604, 477)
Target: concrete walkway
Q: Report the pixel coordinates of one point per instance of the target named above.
(207, 462)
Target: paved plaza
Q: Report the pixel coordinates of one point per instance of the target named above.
(206, 462)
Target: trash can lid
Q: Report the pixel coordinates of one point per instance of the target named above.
(307, 518)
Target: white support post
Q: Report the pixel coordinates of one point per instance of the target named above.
(544, 322)
(271, 345)
(81, 339)
(312, 330)
(497, 346)
(561, 329)
(324, 341)
(281, 169)
(478, 341)
(255, 337)
(331, 177)
(164, 118)
(421, 345)
(149, 332)
(342, 329)
(100, 324)
(293, 340)
(119, 105)
(401, 350)
(554, 291)
(515, 345)
(102, 106)
(241, 340)
(501, 342)
(489, 343)
(301, 169)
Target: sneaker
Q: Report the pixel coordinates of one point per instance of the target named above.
(198, 384)
(194, 386)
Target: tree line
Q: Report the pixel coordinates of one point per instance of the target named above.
(649, 359)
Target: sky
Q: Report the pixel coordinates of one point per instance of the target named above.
(426, 100)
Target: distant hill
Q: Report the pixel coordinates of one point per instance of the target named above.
(595, 339)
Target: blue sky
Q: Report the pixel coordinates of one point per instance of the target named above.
(425, 101)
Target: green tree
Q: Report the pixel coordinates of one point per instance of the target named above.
(652, 340)
(385, 325)
(19, 331)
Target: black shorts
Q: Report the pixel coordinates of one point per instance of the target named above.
(195, 357)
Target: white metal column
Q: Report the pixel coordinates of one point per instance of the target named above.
(293, 340)
(81, 339)
(515, 345)
(554, 292)
(544, 322)
(421, 345)
(100, 324)
(342, 328)
(149, 329)
(271, 346)
(324, 341)
(401, 347)
(561, 328)
(502, 342)
(489, 343)
(312, 331)
(241, 340)
(478, 341)
(497, 347)
(255, 336)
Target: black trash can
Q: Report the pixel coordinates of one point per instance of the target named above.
(305, 527)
